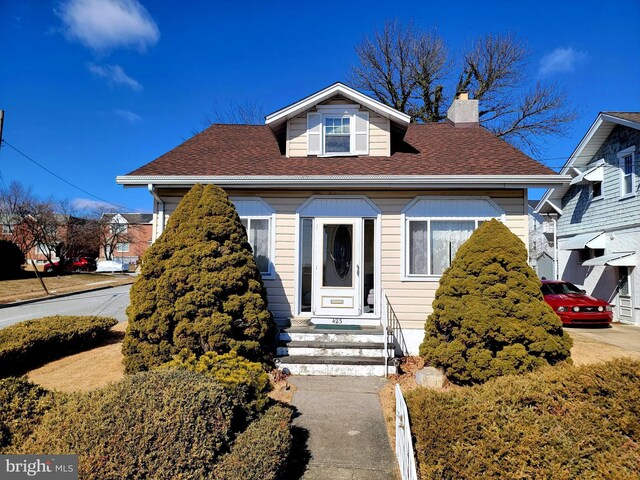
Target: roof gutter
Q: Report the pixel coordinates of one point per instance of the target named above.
(383, 181)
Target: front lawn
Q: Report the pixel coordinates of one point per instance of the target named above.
(30, 288)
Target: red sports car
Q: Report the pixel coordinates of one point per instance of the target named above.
(574, 306)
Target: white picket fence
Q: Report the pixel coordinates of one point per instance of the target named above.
(404, 444)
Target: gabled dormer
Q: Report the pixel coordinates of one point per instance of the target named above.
(337, 121)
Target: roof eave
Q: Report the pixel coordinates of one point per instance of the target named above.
(374, 181)
(306, 103)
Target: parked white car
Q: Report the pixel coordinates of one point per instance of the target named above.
(112, 266)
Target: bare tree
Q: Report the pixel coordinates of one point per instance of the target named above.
(238, 113)
(410, 70)
(114, 230)
(16, 201)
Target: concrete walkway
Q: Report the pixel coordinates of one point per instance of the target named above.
(623, 336)
(347, 433)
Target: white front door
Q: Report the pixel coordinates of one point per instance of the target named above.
(337, 267)
(625, 302)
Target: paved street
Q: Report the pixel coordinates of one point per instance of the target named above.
(110, 302)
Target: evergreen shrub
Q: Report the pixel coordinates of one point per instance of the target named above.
(262, 450)
(34, 342)
(12, 260)
(170, 423)
(561, 422)
(247, 380)
(199, 288)
(489, 316)
(22, 406)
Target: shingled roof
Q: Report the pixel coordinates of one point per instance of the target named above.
(427, 149)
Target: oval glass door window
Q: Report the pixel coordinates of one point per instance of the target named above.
(342, 251)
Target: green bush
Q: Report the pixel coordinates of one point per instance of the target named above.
(22, 405)
(248, 380)
(199, 288)
(562, 423)
(170, 423)
(34, 342)
(12, 260)
(261, 451)
(489, 317)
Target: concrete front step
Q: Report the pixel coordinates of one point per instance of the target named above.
(332, 349)
(369, 335)
(339, 366)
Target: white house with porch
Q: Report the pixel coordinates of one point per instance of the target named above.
(353, 213)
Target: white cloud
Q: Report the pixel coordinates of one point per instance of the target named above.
(128, 116)
(561, 60)
(89, 204)
(115, 75)
(103, 25)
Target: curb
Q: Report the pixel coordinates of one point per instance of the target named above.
(61, 295)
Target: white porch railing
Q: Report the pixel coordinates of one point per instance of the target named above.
(404, 443)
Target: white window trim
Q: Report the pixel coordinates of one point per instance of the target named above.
(341, 111)
(405, 218)
(271, 218)
(120, 247)
(621, 154)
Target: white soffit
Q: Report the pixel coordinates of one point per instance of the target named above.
(331, 91)
(584, 240)
(617, 259)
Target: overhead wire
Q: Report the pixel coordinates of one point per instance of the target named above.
(121, 207)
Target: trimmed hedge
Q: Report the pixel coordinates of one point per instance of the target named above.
(22, 405)
(199, 289)
(34, 342)
(562, 423)
(248, 380)
(12, 260)
(172, 424)
(489, 317)
(261, 451)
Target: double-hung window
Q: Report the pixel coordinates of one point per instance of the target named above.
(338, 130)
(627, 172)
(258, 218)
(435, 228)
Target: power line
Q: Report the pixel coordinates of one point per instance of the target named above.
(63, 179)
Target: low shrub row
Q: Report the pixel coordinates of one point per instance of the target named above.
(561, 423)
(168, 423)
(34, 342)
(245, 379)
(22, 405)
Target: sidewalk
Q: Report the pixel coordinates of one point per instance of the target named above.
(347, 433)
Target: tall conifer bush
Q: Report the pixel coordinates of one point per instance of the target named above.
(489, 317)
(199, 288)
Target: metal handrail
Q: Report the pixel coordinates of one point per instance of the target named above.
(391, 326)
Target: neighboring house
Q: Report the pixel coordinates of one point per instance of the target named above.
(599, 213)
(126, 238)
(350, 209)
(541, 242)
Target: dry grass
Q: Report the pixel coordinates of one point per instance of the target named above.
(85, 370)
(30, 288)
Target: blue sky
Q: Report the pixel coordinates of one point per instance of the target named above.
(95, 88)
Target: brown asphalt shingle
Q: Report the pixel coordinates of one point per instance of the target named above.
(632, 116)
(427, 149)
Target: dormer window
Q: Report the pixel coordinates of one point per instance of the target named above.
(338, 130)
(337, 134)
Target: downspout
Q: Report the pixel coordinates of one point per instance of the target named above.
(159, 227)
(554, 219)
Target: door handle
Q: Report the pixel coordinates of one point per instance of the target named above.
(357, 270)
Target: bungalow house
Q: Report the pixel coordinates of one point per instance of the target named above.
(598, 214)
(352, 211)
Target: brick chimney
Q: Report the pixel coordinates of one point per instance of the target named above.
(463, 112)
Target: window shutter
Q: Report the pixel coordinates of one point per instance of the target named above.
(362, 133)
(314, 133)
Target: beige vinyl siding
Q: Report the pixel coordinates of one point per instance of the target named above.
(379, 136)
(411, 300)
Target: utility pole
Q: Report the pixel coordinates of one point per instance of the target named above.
(1, 125)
